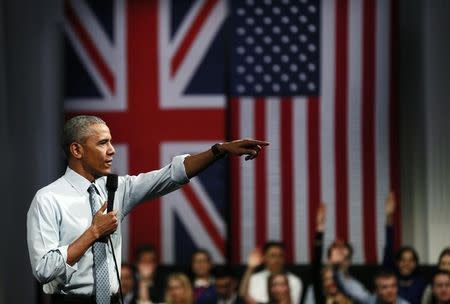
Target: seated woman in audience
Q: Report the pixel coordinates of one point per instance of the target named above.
(441, 287)
(178, 290)
(325, 290)
(443, 264)
(411, 284)
(278, 289)
(202, 278)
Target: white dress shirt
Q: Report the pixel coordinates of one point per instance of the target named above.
(258, 287)
(61, 212)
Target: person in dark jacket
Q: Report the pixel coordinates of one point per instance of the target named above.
(411, 284)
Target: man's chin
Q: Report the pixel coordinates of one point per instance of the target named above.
(103, 173)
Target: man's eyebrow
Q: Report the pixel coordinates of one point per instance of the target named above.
(104, 140)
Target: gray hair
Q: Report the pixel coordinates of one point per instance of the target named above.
(76, 129)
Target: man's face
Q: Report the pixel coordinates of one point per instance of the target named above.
(148, 257)
(406, 264)
(97, 151)
(441, 287)
(386, 289)
(225, 287)
(274, 259)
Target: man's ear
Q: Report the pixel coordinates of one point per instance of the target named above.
(76, 150)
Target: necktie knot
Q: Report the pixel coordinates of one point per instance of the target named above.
(91, 189)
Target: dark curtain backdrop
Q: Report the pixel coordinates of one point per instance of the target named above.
(30, 120)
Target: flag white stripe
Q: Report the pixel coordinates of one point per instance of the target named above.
(86, 60)
(327, 81)
(185, 25)
(273, 187)
(301, 227)
(247, 180)
(197, 52)
(208, 205)
(355, 212)
(382, 96)
(95, 31)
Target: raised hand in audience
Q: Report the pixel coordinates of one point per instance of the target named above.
(321, 217)
(389, 208)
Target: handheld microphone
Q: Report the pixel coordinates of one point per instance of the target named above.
(111, 187)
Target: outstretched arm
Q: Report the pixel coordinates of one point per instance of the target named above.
(194, 164)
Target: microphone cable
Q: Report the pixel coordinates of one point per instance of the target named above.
(117, 269)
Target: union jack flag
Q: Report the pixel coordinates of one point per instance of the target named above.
(312, 77)
(145, 67)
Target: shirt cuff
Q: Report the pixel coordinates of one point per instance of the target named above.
(178, 172)
(70, 270)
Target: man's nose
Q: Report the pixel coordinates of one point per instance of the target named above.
(111, 150)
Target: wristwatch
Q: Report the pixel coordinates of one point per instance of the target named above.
(216, 151)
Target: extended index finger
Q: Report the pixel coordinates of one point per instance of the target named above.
(257, 142)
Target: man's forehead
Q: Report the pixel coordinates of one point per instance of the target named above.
(99, 130)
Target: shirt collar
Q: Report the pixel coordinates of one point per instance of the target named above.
(79, 182)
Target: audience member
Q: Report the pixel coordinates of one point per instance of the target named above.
(386, 289)
(129, 283)
(441, 287)
(443, 264)
(151, 283)
(325, 290)
(226, 286)
(254, 285)
(411, 285)
(179, 289)
(278, 289)
(202, 279)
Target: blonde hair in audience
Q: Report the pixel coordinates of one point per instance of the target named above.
(185, 283)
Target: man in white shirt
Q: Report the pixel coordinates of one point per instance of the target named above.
(274, 262)
(62, 226)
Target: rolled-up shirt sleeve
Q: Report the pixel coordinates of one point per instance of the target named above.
(48, 258)
(150, 185)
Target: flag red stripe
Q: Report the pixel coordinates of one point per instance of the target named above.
(142, 20)
(235, 181)
(368, 131)
(90, 48)
(188, 40)
(260, 206)
(394, 163)
(314, 185)
(340, 120)
(204, 217)
(287, 191)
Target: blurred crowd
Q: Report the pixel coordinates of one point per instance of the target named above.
(267, 280)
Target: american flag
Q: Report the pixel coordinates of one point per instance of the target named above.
(314, 78)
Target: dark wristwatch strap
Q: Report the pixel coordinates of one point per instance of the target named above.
(216, 151)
